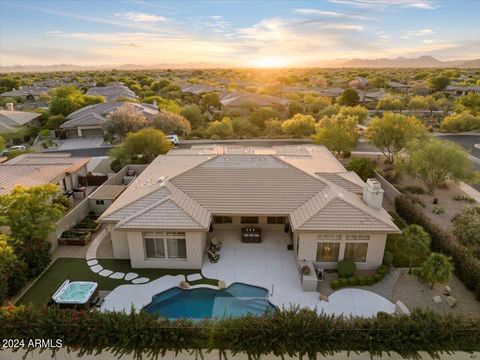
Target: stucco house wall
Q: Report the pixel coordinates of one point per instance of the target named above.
(195, 241)
(237, 225)
(307, 249)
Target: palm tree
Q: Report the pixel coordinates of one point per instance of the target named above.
(437, 269)
(414, 241)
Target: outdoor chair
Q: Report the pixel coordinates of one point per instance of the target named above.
(216, 244)
(213, 257)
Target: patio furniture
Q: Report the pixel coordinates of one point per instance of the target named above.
(319, 272)
(251, 235)
(215, 244)
(213, 257)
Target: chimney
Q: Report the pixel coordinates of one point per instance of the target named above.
(373, 194)
(10, 106)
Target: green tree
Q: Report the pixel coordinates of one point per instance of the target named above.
(363, 167)
(12, 269)
(338, 133)
(299, 126)
(315, 103)
(469, 102)
(9, 83)
(438, 83)
(436, 162)
(467, 227)
(260, 115)
(415, 241)
(273, 128)
(54, 122)
(145, 144)
(164, 104)
(437, 269)
(2, 143)
(210, 100)
(193, 114)
(359, 112)
(460, 122)
(349, 97)
(31, 216)
(392, 132)
(171, 123)
(390, 102)
(123, 121)
(244, 128)
(67, 99)
(160, 84)
(221, 129)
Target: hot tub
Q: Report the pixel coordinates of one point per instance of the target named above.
(75, 293)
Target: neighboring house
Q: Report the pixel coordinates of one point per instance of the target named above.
(12, 120)
(88, 121)
(462, 90)
(112, 92)
(42, 168)
(243, 102)
(358, 83)
(332, 92)
(165, 217)
(367, 96)
(399, 86)
(197, 89)
(27, 92)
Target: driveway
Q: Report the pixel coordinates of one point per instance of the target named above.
(82, 143)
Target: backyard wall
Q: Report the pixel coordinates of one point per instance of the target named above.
(79, 212)
(307, 250)
(390, 192)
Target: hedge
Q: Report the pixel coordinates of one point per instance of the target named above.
(360, 280)
(294, 332)
(467, 265)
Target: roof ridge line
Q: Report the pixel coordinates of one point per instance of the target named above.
(296, 168)
(143, 211)
(177, 190)
(330, 198)
(211, 157)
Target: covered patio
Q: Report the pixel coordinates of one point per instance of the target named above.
(271, 265)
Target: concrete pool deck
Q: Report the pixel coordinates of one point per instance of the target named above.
(269, 265)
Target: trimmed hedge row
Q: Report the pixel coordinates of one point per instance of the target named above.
(295, 332)
(467, 265)
(360, 280)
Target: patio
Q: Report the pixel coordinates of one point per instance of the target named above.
(270, 265)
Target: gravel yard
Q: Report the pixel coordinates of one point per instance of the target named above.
(416, 294)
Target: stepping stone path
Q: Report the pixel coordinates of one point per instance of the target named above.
(92, 262)
(117, 275)
(105, 272)
(194, 277)
(131, 276)
(141, 280)
(96, 268)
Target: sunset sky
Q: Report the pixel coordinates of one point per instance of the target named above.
(234, 33)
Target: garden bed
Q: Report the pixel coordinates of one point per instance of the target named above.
(75, 238)
(87, 225)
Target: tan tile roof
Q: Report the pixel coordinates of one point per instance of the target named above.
(186, 186)
(37, 169)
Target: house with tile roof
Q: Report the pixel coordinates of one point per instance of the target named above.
(42, 168)
(88, 121)
(112, 92)
(12, 120)
(167, 216)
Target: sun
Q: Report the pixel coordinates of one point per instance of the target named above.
(270, 62)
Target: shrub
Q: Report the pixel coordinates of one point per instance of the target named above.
(370, 280)
(352, 281)
(378, 277)
(414, 189)
(335, 284)
(364, 167)
(387, 258)
(467, 266)
(362, 280)
(464, 198)
(346, 268)
(116, 165)
(438, 210)
(44, 133)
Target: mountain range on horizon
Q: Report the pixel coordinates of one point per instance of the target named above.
(398, 62)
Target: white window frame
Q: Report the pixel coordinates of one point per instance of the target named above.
(164, 236)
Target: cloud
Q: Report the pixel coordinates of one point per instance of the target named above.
(343, 27)
(383, 4)
(417, 33)
(331, 14)
(140, 17)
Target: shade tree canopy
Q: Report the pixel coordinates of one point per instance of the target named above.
(338, 133)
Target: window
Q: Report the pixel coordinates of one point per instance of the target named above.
(222, 219)
(329, 237)
(357, 237)
(276, 220)
(328, 251)
(170, 245)
(356, 252)
(100, 202)
(249, 220)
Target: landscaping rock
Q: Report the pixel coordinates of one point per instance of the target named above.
(447, 291)
(92, 262)
(184, 284)
(140, 280)
(96, 268)
(437, 299)
(131, 276)
(221, 284)
(451, 301)
(194, 277)
(105, 272)
(117, 275)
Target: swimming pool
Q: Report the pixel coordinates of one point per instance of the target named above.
(206, 303)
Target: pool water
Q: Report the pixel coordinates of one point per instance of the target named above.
(75, 292)
(205, 303)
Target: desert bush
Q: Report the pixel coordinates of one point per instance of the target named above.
(346, 268)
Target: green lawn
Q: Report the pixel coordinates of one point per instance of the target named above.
(77, 269)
